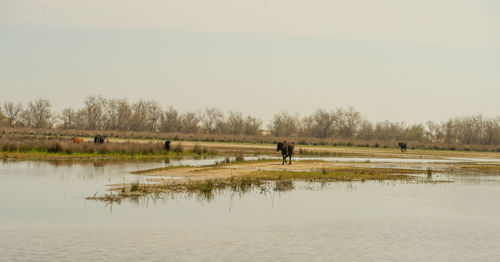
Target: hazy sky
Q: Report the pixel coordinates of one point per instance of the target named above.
(389, 59)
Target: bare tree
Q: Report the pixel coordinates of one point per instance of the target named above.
(366, 130)
(39, 113)
(449, 131)
(389, 131)
(209, 119)
(322, 123)
(491, 132)
(170, 121)
(12, 112)
(111, 114)
(94, 109)
(68, 118)
(434, 132)
(252, 126)
(189, 122)
(124, 114)
(347, 122)
(468, 129)
(154, 113)
(283, 124)
(235, 123)
(415, 133)
(139, 116)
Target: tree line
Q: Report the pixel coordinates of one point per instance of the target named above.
(100, 113)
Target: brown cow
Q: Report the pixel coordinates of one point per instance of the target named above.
(286, 149)
(77, 140)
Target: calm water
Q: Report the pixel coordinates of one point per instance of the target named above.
(44, 217)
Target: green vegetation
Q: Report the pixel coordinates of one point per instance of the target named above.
(329, 175)
(264, 180)
(483, 167)
(134, 186)
(429, 173)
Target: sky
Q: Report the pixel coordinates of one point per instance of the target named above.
(410, 61)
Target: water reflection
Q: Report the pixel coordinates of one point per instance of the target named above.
(45, 217)
(87, 178)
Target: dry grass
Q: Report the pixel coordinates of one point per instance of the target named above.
(243, 177)
(68, 133)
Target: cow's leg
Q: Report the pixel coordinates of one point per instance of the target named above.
(283, 160)
(290, 162)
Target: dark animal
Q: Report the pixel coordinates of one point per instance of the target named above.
(286, 149)
(167, 145)
(99, 139)
(403, 146)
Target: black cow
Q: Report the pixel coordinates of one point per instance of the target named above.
(167, 145)
(403, 146)
(286, 149)
(99, 139)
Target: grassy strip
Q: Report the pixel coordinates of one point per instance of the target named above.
(329, 175)
(159, 169)
(487, 168)
(282, 180)
(38, 155)
(200, 137)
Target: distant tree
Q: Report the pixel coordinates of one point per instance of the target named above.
(38, 113)
(366, 130)
(386, 130)
(111, 114)
(68, 117)
(123, 114)
(12, 112)
(491, 131)
(209, 119)
(434, 132)
(283, 124)
(415, 133)
(235, 123)
(347, 122)
(189, 122)
(170, 120)
(139, 116)
(94, 110)
(154, 113)
(252, 125)
(468, 129)
(322, 123)
(449, 131)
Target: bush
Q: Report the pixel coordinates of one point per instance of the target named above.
(178, 148)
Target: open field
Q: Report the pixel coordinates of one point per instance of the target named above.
(57, 147)
(69, 134)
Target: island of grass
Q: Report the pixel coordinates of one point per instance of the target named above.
(243, 176)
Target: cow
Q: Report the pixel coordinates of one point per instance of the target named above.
(99, 139)
(402, 146)
(167, 145)
(77, 140)
(286, 149)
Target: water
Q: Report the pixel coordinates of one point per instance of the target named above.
(44, 217)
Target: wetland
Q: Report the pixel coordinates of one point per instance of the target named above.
(226, 208)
